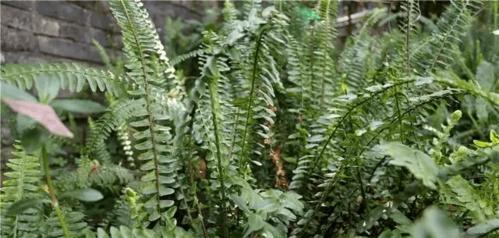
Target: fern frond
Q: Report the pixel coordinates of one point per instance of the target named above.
(70, 76)
(142, 45)
(335, 172)
(411, 11)
(451, 27)
(470, 87)
(22, 181)
(264, 78)
(153, 75)
(323, 70)
(124, 231)
(183, 57)
(75, 222)
(118, 113)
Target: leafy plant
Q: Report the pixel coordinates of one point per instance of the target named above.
(280, 132)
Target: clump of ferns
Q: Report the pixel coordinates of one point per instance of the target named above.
(304, 163)
(264, 94)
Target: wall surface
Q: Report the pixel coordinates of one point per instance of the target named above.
(54, 31)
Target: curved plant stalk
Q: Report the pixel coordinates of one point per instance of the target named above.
(51, 191)
(249, 108)
(148, 104)
(347, 114)
(215, 109)
(332, 183)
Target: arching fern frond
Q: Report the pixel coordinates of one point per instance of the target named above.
(118, 114)
(451, 27)
(71, 76)
(154, 81)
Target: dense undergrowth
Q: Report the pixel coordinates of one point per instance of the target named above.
(277, 132)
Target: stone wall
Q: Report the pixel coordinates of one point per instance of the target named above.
(55, 31)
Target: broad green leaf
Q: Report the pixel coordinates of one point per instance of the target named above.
(47, 88)
(390, 234)
(418, 163)
(12, 92)
(101, 233)
(398, 217)
(86, 195)
(24, 123)
(273, 231)
(78, 106)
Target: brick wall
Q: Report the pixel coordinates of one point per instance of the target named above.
(54, 31)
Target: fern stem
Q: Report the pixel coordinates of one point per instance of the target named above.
(221, 172)
(344, 117)
(51, 192)
(150, 117)
(445, 39)
(331, 184)
(234, 134)
(251, 98)
(407, 36)
(190, 174)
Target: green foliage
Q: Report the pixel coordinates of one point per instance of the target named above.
(22, 182)
(70, 76)
(266, 128)
(417, 162)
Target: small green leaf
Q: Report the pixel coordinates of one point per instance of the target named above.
(493, 137)
(86, 195)
(481, 144)
(78, 106)
(456, 116)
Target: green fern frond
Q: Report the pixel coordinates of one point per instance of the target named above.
(408, 27)
(22, 181)
(70, 76)
(74, 220)
(451, 27)
(153, 76)
(118, 114)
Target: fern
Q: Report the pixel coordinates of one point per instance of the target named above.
(70, 76)
(362, 130)
(22, 182)
(142, 48)
(450, 27)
